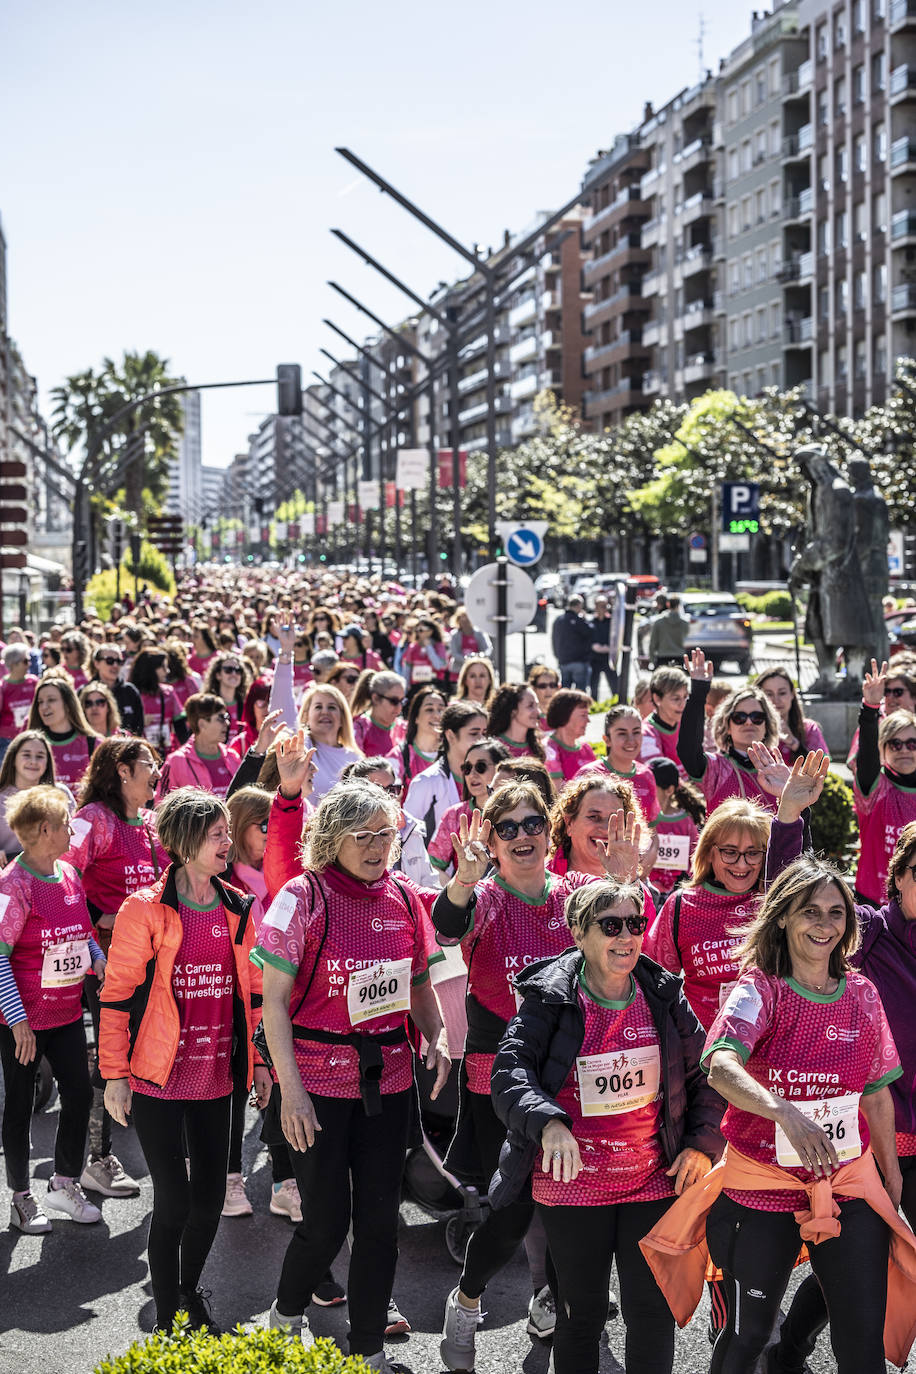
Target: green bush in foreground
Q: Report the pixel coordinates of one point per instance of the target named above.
(239, 1352)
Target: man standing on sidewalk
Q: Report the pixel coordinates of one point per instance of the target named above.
(669, 635)
(572, 645)
(602, 665)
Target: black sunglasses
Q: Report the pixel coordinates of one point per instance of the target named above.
(542, 685)
(748, 717)
(896, 745)
(348, 677)
(531, 825)
(262, 826)
(479, 766)
(230, 668)
(895, 691)
(394, 701)
(613, 925)
(91, 702)
(108, 658)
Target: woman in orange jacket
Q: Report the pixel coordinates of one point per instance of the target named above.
(175, 1036)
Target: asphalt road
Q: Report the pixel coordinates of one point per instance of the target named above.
(70, 1298)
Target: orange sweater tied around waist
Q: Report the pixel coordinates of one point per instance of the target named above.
(676, 1252)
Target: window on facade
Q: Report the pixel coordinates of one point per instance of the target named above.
(842, 164)
(839, 96)
(775, 319)
(732, 105)
(860, 290)
(860, 221)
(822, 41)
(733, 337)
(761, 264)
(842, 296)
(775, 138)
(861, 359)
(880, 142)
(733, 167)
(879, 9)
(823, 237)
(823, 172)
(762, 325)
(748, 329)
(760, 145)
(839, 30)
(760, 205)
(880, 353)
(734, 278)
(748, 273)
(747, 384)
(775, 198)
(879, 283)
(879, 216)
(760, 86)
(745, 97)
(842, 368)
(878, 71)
(823, 367)
(775, 378)
(823, 108)
(745, 213)
(775, 257)
(775, 81)
(733, 226)
(858, 83)
(746, 155)
(858, 16)
(860, 153)
(823, 302)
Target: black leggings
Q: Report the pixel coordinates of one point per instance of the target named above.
(808, 1316)
(353, 1169)
(583, 1244)
(186, 1210)
(494, 1242)
(65, 1049)
(99, 1120)
(757, 1251)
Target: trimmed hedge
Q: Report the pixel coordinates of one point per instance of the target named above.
(833, 820)
(260, 1351)
(773, 605)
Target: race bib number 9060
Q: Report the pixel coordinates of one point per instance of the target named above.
(838, 1118)
(378, 991)
(614, 1083)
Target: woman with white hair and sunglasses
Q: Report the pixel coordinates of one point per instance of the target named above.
(344, 948)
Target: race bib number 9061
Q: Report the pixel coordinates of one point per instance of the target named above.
(614, 1083)
(378, 991)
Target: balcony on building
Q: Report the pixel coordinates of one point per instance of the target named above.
(798, 267)
(903, 299)
(650, 180)
(472, 381)
(599, 356)
(902, 15)
(798, 145)
(652, 283)
(697, 313)
(628, 202)
(473, 413)
(798, 333)
(524, 310)
(699, 368)
(696, 259)
(695, 207)
(523, 387)
(798, 82)
(902, 85)
(626, 392)
(800, 206)
(628, 248)
(523, 350)
(652, 332)
(653, 383)
(903, 227)
(626, 298)
(652, 230)
(695, 153)
(503, 405)
(550, 379)
(903, 155)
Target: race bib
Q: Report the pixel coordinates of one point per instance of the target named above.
(21, 713)
(421, 672)
(725, 992)
(378, 991)
(65, 964)
(613, 1083)
(673, 852)
(838, 1118)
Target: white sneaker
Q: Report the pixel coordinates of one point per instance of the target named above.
(27, 1216)
(106, 1175)
(542, 1314)
(459, 1332)
(73, 1202)
(379, 1363)
(285, 1200)
(293, 1326)
(237, 1203)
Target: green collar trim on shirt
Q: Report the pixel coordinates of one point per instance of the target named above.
(513, 743)
(194, 906)
(668, 816)
(430, 758)
(201, 755)
(659, 724)
(570, 748)
(137, 820)
(529, 901)
(603, 1001)
(54, 877)
(817, 996)
(63, 739)
(616, 771)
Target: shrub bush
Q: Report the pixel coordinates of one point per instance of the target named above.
(775, 605)
(153, 566)
(181, 1351)
(833, 820)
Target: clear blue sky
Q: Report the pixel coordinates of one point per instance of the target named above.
(168, 179)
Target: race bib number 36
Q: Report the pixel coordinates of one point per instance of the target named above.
(65, 964)
(378, 991)
(838, 1118)
(614, 1083)
(673, 852)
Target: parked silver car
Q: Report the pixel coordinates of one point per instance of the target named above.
(718, 626)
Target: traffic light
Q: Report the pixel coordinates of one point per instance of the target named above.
(909, 553)
(289, 389)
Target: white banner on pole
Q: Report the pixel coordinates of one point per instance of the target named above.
(335, 512)
(280, 530)
(367, 495)
(307, 523)
(413, 469)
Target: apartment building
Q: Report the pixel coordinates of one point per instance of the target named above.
(185, 497)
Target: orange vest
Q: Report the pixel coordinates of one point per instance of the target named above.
(676, 1252)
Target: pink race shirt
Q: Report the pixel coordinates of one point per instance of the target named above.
(441, 853)
(659, 741)
(15, 704)
(44, 932)
(641, 779)
(723, 779)
(678, 826)
(203, 981)
(509, 933)
(803, 1046)
(416, 762)
(159, 710)
(814, 739)
(613, 1098)
(882, 814)
(372, 739)
(220, 774)
(332, 933)
(71, 759)
(704, 949)
(115, 857)
(564, 763)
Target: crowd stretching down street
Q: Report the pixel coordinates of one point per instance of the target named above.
(283, 844)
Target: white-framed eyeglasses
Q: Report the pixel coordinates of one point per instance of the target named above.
(364, 838)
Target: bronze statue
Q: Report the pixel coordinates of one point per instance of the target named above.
(873, 529)
(839, 616)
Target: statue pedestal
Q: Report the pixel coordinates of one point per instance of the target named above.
(837, 719)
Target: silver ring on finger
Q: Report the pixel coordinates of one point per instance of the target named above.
(558, 1154)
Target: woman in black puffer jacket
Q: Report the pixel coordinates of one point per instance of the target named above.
(609, 1117)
